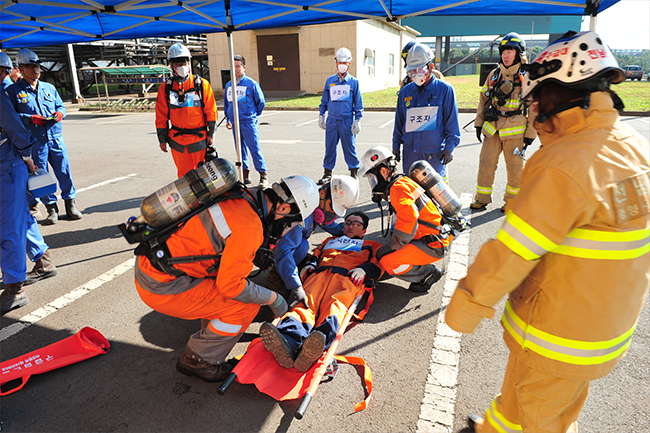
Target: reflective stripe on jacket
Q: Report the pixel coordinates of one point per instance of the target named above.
(574, 252)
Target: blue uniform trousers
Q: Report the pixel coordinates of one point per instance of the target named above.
(54, 152)
(340, 129)
(409, 157)
(250, 140)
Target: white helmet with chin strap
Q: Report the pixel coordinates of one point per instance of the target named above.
(300, 190)
(5, 61)
(578, 61)
(178, 50)
(345, 193)
(26, 56)
(419, 55)
(343, 55)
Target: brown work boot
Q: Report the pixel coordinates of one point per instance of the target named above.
(264, 181)
(52, 214)
(247, 179)
(71, 209)
(36, 213)
(477, 205)
(277, 344)
(327, 176)
(353, 172)
(310, 351)
(43, 268)
(12, 297)
(191, 365)
(275, 283)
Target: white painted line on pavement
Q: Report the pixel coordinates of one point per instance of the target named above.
(118, 120)
(269, 113)
(280, 141)
(390, 122)
(30, 319)
(437, 409)
(307, 123)
(106, 182)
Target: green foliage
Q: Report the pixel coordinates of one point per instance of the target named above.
(642, 59)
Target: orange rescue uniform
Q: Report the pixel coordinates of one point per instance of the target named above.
(217, 290)
(192, 121)
(416, 240)
(574, 257)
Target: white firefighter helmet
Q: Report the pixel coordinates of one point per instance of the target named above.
(304, 193)
(578, 61)
(5, 61)
(26, 56)
(419, 55)
(374, 157)
(345, 193)
(343, 55)
(178, 50)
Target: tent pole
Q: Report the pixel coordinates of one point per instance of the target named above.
(73, 74)
(235, 106)
(592, 23)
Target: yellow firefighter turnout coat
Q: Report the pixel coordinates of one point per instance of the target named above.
(573, 252)
(508, 125)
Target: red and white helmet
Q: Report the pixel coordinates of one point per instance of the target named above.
(578, 61)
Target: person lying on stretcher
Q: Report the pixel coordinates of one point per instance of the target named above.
(337, 273)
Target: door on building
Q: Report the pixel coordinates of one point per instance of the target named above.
(279, 61)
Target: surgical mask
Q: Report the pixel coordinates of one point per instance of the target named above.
(182, 71)
(342, 69)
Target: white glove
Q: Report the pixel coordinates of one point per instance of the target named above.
(306, 271)
(356, 127)
(357, 275)
(321, 122)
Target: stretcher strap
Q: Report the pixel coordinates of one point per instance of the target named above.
(371, 299)
(367, 377)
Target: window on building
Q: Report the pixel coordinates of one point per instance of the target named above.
(370, 61)
(391, 64)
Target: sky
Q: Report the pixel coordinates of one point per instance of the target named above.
(626, 25)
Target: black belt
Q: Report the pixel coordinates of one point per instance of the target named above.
(193, 131)
(342, 271)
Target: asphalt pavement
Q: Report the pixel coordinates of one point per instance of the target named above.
(425, 376)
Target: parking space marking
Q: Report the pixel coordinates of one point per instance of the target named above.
(307, 123)
(390, 122)
(437, 408)
(41, 313)
(106, 182)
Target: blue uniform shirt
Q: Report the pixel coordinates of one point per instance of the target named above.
(17, 142)
(45, 100)
(250, 101)
(6, 83)
(342, 98)
(426, 118)
(295, 243)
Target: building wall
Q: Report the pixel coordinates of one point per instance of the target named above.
(317, 45)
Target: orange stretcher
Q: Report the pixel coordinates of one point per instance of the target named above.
(258, 366)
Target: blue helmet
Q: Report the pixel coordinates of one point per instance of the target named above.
(512, 40)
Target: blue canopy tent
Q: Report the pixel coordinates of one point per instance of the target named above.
(25, 23)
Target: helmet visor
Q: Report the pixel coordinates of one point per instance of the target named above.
(417, 71)
(372, 179)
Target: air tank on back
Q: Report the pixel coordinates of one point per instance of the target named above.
(174, 201)
(429, 179)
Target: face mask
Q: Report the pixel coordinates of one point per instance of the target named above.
(182, 71)
(419, 79)
(342, 69)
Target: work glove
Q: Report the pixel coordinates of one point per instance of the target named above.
(297, 296)
(396, 153)
(228, 125)
(356, 127)
(447, 157)
(357, 275)
(58, 115)
(306, 271)
(37, 119)
(279, 306)
(528, 141)
(321, 122)
(210, 154)
(479, 136)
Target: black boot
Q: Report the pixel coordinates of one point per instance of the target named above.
(425, 284)
(13, 297)
(247, 179)
(264, 180)
(71, 210)
(52, 214)
(327, 176)
(43, 268)
(353, 172)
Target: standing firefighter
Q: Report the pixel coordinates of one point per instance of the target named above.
(185, 101)
(573, 253)
(502, 118)
(224, 239)
(342, 100)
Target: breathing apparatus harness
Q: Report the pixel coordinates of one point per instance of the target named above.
(153, 242)
(496, 90)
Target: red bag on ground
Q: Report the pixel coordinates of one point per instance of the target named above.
(85, 344)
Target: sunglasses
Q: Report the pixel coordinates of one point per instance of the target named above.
(354, 224)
